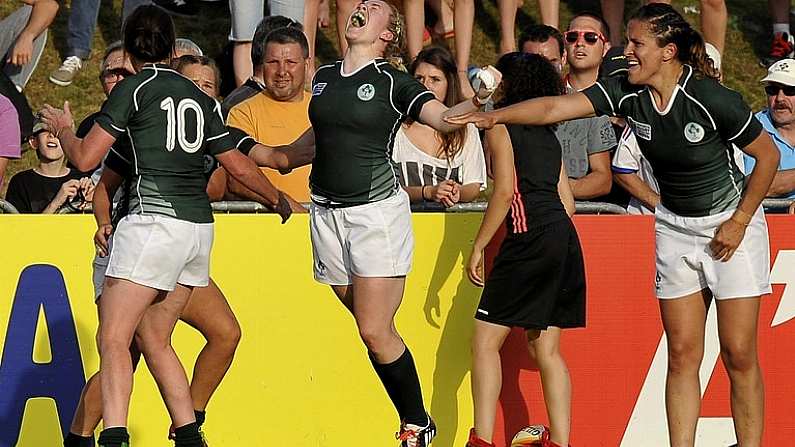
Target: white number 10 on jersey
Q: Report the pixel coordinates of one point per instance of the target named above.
(175, 124)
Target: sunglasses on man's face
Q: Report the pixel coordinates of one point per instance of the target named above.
(772, 90)
(590, 37)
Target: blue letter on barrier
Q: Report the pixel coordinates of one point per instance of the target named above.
(20, 378)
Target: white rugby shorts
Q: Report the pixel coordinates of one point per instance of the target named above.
(161, 252)
(685, 264)
(369, 240)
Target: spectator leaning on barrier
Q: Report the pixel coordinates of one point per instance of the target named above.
(50, 185)
(256, 82)
(778, 120)
(23, 35)
(447, 168)
(279, 114)
(9, 135)
(586, 142)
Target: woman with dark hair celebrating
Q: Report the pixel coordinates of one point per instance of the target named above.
(447, 168)
(711, 235)
(360, 219)
(163, 245)
(538, 279)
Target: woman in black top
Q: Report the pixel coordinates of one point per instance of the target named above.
(538, 279)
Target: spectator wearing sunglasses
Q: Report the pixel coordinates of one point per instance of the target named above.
(115, 67)
(586, 142)
(778, 120)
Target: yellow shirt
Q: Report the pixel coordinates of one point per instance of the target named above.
(276, 123)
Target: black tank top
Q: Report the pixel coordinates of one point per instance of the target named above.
(537, 159)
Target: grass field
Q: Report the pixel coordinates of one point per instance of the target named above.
(747, 39)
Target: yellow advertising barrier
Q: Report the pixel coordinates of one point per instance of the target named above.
(301, 376)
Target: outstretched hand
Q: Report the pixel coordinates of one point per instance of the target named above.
(57, 120)
(483, 120)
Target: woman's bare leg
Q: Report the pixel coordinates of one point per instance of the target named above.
(486, 375)
(737, 329)
(684, 320)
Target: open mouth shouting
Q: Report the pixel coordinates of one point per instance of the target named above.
(359, 17)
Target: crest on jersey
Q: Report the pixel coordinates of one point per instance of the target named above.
(694, 132)
(366, 92)
(318, 88)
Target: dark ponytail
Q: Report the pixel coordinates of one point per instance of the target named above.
(668, 26)
(149, 34)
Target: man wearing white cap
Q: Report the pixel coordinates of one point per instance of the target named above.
(778, 119)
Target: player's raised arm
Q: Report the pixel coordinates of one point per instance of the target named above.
(534, 112)
(434, 113)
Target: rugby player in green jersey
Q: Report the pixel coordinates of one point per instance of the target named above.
(360, 217)
(163, 245)
(711, 235)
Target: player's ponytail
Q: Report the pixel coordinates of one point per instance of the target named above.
(149, 34)
(393, 52)
(668, 26)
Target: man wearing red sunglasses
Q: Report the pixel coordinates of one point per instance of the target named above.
(586, 143)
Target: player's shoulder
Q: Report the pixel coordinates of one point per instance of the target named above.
(328, 70)
(706, 89)
(384, 67)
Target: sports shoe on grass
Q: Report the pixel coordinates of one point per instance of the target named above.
(180, 8)
(411, 435)
(66, 73)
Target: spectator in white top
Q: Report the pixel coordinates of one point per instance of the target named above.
(432, 166)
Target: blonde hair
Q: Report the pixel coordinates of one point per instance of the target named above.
(393, 52)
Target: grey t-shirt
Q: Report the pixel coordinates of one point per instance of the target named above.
(582, 137)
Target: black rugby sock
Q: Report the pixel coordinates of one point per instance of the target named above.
(403, 387)
(73, 440)
(187, 436)
(200, 416)
(114, 437)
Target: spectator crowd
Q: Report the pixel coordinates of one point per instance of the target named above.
(273, 59)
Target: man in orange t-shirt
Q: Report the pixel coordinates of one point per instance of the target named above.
(279, 115)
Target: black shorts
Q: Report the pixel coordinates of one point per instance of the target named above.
(538, 280)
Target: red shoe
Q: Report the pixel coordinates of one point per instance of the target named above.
(783, 46)
(475, 441)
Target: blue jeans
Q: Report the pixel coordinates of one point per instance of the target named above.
(82, 22)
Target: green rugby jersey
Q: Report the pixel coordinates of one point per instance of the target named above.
(355, 117)
(690, 143)
(171, 124)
